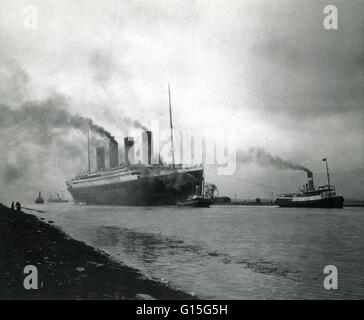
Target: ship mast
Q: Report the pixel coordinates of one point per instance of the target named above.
(328, 175)
(170, 123)
(88, 151)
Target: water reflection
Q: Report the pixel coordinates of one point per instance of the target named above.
(150, 247)
(229, 251)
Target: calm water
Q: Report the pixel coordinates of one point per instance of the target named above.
(225, 252)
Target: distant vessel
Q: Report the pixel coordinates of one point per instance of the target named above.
(311, 196)
(197, 200)
(135, 184)
(57, 199)
(39, 199)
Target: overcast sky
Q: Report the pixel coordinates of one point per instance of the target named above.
(266, 69)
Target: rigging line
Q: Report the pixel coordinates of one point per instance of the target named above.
(254, 183)
(170, 122)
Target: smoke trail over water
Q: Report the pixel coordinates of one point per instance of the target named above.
(263, 158)
(48, 114)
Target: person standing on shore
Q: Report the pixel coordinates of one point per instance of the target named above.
(12, 206)
(18, 206)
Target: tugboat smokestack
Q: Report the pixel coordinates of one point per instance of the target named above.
(311, 186)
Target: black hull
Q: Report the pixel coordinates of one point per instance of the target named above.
(196, 203)
(158, 190)
(333, 202)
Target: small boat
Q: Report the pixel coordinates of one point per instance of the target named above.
(196, 201)
(39, 199)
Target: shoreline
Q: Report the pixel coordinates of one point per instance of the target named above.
(67, 268)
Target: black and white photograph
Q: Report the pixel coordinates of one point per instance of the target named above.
(203, 151)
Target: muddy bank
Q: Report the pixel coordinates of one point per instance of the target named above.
(67, 268)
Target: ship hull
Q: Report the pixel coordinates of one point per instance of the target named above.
(148, 190)
(196, 203)
(333, 202)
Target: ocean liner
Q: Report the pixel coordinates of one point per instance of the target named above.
(311, 196)
(135, 184)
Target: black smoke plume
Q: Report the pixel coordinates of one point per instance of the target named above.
(41, 145)
(135, 123)
(263, 158)
(48, 114)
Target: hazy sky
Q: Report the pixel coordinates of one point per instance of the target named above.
(266, 69)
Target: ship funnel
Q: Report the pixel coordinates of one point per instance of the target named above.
(310, 181)
(129, 155)
(147, 147)
(100, 158)
(113, 154)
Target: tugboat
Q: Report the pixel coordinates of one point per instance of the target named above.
(197, 200)
(39, 200)
(57, 199)
(311, 196)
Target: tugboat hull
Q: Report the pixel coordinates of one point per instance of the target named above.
(196, 203)
(332, 202)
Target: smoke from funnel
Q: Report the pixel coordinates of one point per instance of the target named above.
(137, 124)
(48, 114)
(42, 145)
(263, 158)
